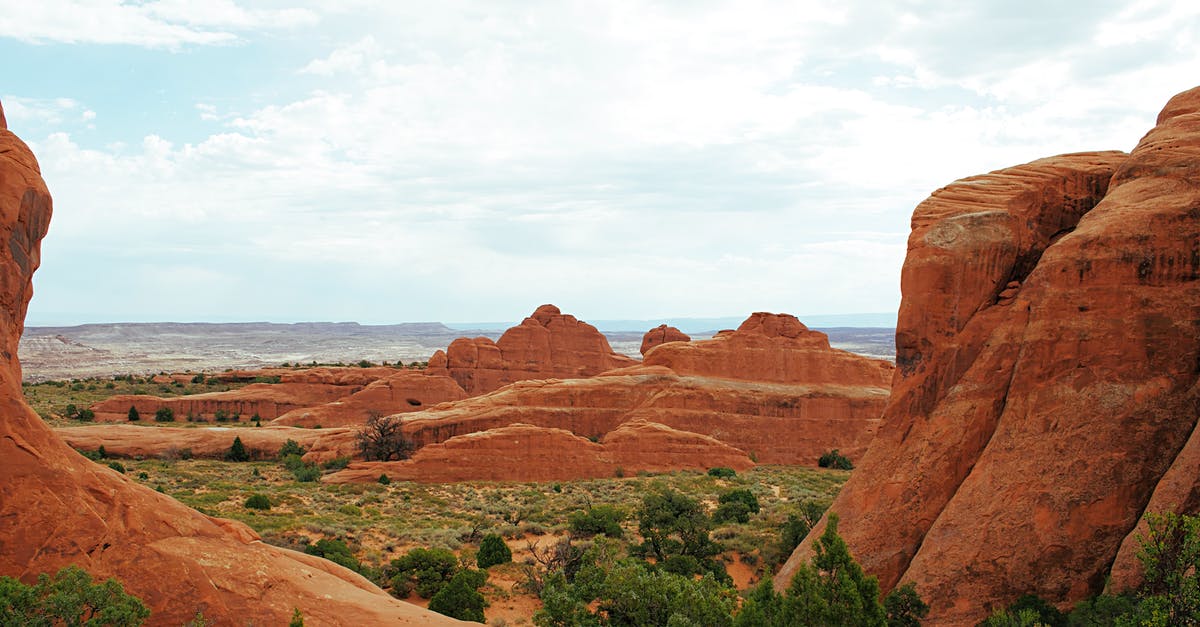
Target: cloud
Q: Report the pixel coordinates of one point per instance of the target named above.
(473, 160)
(158, 24)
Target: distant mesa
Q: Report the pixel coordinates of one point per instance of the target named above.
(547, 344)
(1046, 394)
(661, 335)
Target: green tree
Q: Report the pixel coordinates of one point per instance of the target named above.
(1170, 556)
(904, 607)
(381, 439)
(425, 570)
(291, 447)
(134, 416)
(164, 414)
(492, 551)
(335, 551)
(673, 524)
(258, 501)
(297, 618)
(460, 598)
(834, 459)
(605, 519)
(736, 505)
(69, 598)
(634, 595)
(237, 451)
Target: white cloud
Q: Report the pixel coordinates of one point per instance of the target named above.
(156, 24)
(473, 160)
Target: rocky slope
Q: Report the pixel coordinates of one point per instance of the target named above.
(58, 508)
(1048, 347)
(547, 344)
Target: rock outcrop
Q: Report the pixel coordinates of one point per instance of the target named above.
(402, 392)
(1048, 347)
(58, 508)
(662, 334)
(547, 344)
(521, 452)
(133, 441)
(265, 400)
(775, 348)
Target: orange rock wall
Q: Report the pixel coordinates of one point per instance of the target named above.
(402, 392)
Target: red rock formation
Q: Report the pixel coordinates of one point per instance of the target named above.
(548, 344)
(662, 334)
(780, 423)
(206, 442)
(775, 348)
(267, 400)
(405, 391)
(521, 452)
(1049, 355)
(58, 508)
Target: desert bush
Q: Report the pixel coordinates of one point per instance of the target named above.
(164, 414)
(335, 551)
(834, 459)
(425, 570)
(69, 598)
(492, 551)
(460, 598)
(605, 519)
(336, 463)
(237, 451)
(381, 439)
(721, 472)
(258, 501)
(133, 415)
(736, 505)
(117, 466)
(290, 447)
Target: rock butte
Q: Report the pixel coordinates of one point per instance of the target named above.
(779, 423)
(547, 344)
(662, 334)
(1048, 346)
(521, 452)
(58, 508)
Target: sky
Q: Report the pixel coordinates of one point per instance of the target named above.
(397, 161)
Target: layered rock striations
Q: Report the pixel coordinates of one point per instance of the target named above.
(402, 392)
(1048, 347)
(58, 508)
(521, 452)
(547, 344)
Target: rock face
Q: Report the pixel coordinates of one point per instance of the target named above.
(521, 452)
(775, 348)
(206, 442)
(792, 418)
(58, 508)
(402, 392)
(548, 344)
(662, 334)
(1048, 346)
(266, 400)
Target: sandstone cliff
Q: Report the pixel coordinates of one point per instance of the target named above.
(547, 344)
(1048, 346)
(662, 334)
(58, 508)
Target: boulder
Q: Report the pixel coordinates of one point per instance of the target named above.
(58, 508)
(522, 452)
(547, 344)
(1047, 393)
(662, 334)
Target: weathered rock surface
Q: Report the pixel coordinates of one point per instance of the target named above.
(58, 508)
(1048, 347)
(267, 400)
(662, 334)
(775, 348)
(402, 392)
(134, 441)
(791, 418)
(547, 344)
(521, 452)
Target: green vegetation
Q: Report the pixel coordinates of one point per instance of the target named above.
(297, 618)
(237, 451)
(52, 400)
(492, 551)
(69, 598)
(335, 551)
(460, 598)
(381, 439)
(605, 519)
(258, 501)
(834, 459)
(133, 414)
(426, 571)
(722, 472)
(164, 414)
(736, 505)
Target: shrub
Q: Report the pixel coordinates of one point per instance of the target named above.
(834, 459)
(307, 473)
(134, 416)
(335, 551)
(85, 415)
(904, 607)
(460, 598)
(383, 480)
(297, 618)
(337, 463)
(290, 447)
(721, 472)
(605, 519)
(221, 415)
(381, 439)
(198, 378)
(492, 551)
(117, 466)
(425, 570)
(237, 451)
(736, 505)
(258, 501)
(69, 598)
(164, 414)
